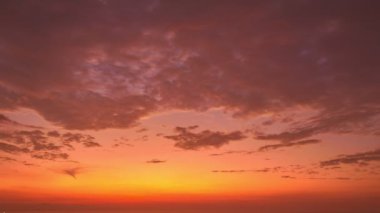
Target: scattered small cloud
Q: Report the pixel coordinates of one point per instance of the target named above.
(142, 130)
(230, 152)
(288, 144)
(73, 172)
(288, 177)
(40, 143)
(188, 140)
(122, 144)
(12, 149)
(156, 161)
(51, 156)
(7, 159)
(230, 171)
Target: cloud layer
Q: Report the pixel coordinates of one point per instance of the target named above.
(126, 59)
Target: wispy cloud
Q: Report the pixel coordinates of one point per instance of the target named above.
(156, 161)
(9, 148)
(7, 159)
(288, 144)
(51, 156)
(231, 152)
(186, 139)
(230, 171)
(356, 159)
(73, 172)
(288, 177)
(38, 143)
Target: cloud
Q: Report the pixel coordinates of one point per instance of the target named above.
(86, 140)
(339, 121)
(334, 178)
(231, 152)
(8, 99)
(343, 178)
(185, 139)
(122, 142)
(288, 177)
(271, 147)
(192, 127)
(51, 156)
(141, 130)
(9, 148)
(53, 134)
(7, 159)
(288, 144)
(156, 161)
(121, 63)
(73, 172)
(27, 142)
(230, 171)
(92, 110)
(355, 159)
(25, 163)
(40, 143)
(264, 170)
(5, 119)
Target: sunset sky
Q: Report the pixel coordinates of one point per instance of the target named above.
(259, 106)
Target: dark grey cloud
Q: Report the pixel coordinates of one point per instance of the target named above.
(231, 152)
(354, 159)
(51, 156)
(124, 60)
(288, 144)
(122, 142)
(339, 121)
(26, 163)
(307, 171)
(333, 178)
(156, 161)
(264, 170)
(72, 172)
(7, 159)
(69, 138)
(9, 148)
(141, 130)
(230, 171)
(186, 139)
(288, 177)
(129, 60)
(3, 119)
(39, 143)
(14, 160)
(90, 110)
(271, 147)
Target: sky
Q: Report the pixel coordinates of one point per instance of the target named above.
(190, 106)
